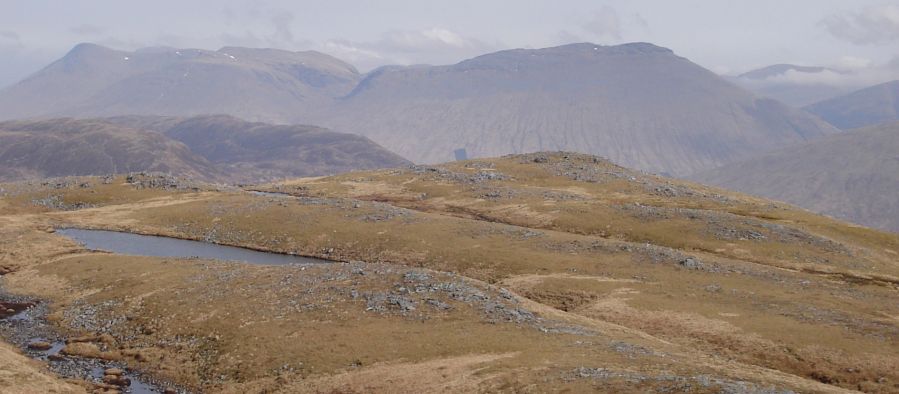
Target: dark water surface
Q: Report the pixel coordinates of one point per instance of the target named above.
(151, 245)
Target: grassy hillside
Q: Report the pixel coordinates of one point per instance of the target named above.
(539, 272)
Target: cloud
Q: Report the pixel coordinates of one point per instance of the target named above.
(434, 45)
(87, 30)
(10, 40)
(847, 72)
(853, 63)
(605, 24)
(281, 21)
(872, 25)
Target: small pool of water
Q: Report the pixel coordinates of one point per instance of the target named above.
(271, 194)
(151, 245)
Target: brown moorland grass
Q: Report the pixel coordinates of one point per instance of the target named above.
(641, 283)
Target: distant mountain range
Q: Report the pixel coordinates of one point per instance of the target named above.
(637, 104)
(852, 176)
(866, 107)
(254, 84)
(792, 84)
(214, 148)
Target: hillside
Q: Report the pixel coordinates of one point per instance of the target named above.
(255, 84)
(866, 107)
(638, 104)
(526, 273)
(212, 148)
(256, 152)
(64, 147)
(853, 176)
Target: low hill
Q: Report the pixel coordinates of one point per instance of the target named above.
(254, 152)
(219, 148)
(852, 176)
(64, 147)
(866, 107)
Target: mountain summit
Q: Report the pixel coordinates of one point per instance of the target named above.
(638, 104)
(870, 106)
(255, 84)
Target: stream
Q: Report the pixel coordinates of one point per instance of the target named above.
(23, 321)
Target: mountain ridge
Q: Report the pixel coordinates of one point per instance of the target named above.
(851, 176)
(214, 148)
(864, 107)
(639, 104)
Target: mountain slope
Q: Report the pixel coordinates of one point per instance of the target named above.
(219, 148)
(638, 104)
(870, 106)
(64, 147)
(259, 84)
(852, 176)
(254, 152)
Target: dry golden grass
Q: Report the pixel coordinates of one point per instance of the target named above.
(779, 296)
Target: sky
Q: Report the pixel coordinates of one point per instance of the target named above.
(727, 37)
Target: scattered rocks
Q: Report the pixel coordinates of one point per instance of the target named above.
(691, 263)
(117, 380)
(40, 346)
(30, 331)
(158, 180)
(56, 202)
(483, 175)
(416, 276)
(675, 383)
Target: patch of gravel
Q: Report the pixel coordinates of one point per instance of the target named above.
(674, 383)
(30, 331)
(594, 169)
(56, 203)
(483, 175)
(164, 181)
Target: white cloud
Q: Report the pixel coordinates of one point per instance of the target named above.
(847, 72)
(853, 63)
(87, 30)
(872, 25)
(605, 24)
(435, 45)
(10, 39)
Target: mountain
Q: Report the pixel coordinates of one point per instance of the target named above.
(253, 151)
(873, 105)
(257, 84)
(64, 147)
(852, 176)
(791, 84)
(638, 104)
(218, 148)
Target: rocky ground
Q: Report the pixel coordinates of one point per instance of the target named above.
(530, 273)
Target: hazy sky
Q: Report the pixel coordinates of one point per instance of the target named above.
(725, 36)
